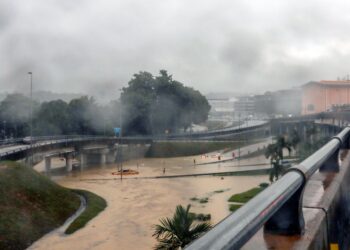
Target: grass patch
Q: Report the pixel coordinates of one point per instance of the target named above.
(204, 200)
(219, 191)
(246, 172)
(31, 205)
(94, 205)
(234, 207)
(200, 200)
(245, 196)
(201, 217)
(264, 185)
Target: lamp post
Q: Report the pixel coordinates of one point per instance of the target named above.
(239, 141)
(31, 116)
(120, 135)
(4, 122)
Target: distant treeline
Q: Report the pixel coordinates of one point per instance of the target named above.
(150, 105)
(79, 116)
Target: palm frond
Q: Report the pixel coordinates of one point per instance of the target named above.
(179, 230)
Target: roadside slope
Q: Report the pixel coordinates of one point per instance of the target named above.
(30, 205)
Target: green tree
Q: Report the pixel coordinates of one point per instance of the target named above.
(159, 104)
(275, 153)
(294, 140)
(83, 112)
(179, 231)
(15, 111)
(136, 100)
(53, 118)
(311, 132)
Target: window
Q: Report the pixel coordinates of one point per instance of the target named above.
(310, 107)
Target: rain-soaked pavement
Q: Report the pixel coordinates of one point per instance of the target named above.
(135, 205)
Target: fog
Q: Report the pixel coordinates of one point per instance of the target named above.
(94, 47)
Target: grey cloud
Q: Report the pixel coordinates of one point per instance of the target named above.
(95, 47)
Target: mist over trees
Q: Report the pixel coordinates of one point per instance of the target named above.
(150, 105)
(158, 105)
(79, 116)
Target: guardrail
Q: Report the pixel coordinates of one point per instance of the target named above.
(279, 207)
(215, 133)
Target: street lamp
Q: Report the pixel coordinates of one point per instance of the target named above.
(120, 135)
(31, 115)
(4, 130)
(239, 138)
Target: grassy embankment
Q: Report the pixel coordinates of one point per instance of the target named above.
(245, 196)
(95, 204)
(31, 205)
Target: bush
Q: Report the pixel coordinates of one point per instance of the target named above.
(245, 196)
(234, 207)
(264, 185)
(201, 217)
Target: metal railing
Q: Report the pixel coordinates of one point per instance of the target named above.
(279, 207)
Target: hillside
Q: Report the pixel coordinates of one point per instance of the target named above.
(30, 205)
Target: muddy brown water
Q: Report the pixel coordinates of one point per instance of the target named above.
(135, 205)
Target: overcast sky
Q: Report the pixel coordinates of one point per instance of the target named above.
(95, 46)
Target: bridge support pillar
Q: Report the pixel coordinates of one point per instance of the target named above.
(103, 158)
(111, 156)
(82, 160)
(47, 164)
(69, 164)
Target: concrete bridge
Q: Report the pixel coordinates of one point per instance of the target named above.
(85, 149)
(15, 149)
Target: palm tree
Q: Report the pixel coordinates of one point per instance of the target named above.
(275, 153)
(179, 231)
(295, 140)
(311, 132)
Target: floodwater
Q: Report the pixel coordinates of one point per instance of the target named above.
(135, 205)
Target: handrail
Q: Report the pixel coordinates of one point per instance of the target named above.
(269, 207)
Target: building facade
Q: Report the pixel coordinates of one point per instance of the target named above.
(324, 95)
(221, 108)
(244, 106)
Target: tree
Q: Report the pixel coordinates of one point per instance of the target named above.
(179, 231)
(154, 105)
(310, 133)
(83, 113)
(15, 111)
(53, 118)
(275, 153)
(294, 140)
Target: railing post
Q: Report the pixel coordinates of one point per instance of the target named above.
(289, 218)
(332, 163)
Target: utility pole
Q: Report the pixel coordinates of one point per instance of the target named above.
(239, 141)
(120, 135)
(4, 130)
(31, 117)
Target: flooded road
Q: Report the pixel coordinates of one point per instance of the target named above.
(135, 205)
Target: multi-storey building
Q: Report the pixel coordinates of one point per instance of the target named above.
(324, 95)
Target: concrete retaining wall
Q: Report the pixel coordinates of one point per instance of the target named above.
(327, 197)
